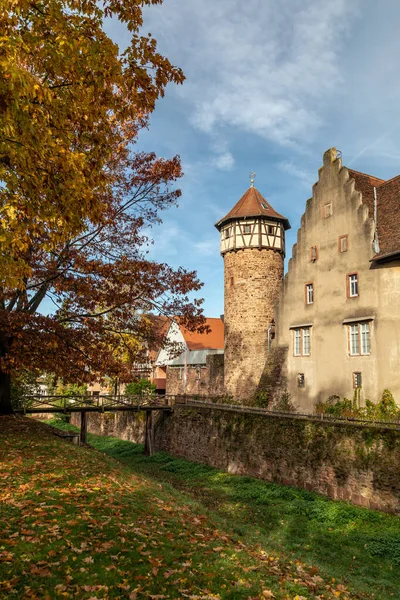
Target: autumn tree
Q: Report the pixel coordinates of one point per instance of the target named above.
(74, 194)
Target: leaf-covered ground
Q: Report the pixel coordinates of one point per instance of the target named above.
(75, 523)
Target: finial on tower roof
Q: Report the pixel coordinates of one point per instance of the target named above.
(252, 177)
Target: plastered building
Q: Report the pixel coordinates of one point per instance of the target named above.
(335, 315)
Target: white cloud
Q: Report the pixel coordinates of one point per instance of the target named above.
(257, 66)
(208, 247)
(305, 177)
(224, 161)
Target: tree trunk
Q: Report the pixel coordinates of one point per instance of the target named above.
(5, 394)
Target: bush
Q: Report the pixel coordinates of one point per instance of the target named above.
(385, 410)
(23, 384)
(284, 403)
(262, 399)
(142, 387)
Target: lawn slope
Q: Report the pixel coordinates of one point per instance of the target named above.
(75, 523)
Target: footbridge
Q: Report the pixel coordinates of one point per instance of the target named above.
(38, 404)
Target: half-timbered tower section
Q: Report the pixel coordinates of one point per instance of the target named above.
(339, 309)
(253, 249)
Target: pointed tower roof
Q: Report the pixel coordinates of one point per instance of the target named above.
(253, 204)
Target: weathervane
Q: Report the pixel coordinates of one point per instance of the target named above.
(252, 177)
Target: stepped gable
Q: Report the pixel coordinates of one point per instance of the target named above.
(252, 204)
(213, 340)
(388, 209)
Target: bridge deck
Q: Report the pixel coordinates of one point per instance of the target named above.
(84, 408)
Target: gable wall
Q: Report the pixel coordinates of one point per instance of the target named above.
(329, 368)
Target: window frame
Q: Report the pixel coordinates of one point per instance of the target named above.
(363, 342)
(301, 341)
(271, 229)
(301, 380)
(227, 233)
(357, 375)
(349, 285)
(313, 253)
(327, 210)
(245, 226)
(340, 239)
(309, 286)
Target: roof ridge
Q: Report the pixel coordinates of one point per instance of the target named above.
(389, 180)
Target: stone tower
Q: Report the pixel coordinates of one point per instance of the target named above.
(253, 249)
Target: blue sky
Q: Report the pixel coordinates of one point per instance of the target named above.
(269, 87)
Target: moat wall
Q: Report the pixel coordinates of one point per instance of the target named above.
(346, 462)
(124, 425)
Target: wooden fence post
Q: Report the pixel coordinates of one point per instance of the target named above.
(83, 427)
(149, 434)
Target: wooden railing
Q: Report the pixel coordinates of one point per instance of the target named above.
(90, 403)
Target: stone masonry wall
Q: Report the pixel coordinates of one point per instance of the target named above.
(124, 425)
(252, 280)
(346, 462)
(210, 382)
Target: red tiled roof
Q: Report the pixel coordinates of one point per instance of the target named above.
(252, 204)
(214, 340)
(388, 208)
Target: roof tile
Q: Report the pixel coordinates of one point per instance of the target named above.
(252, 204)
(214, 340)
(388, 208)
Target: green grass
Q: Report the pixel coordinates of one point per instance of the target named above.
(75, 523)
(357, 545)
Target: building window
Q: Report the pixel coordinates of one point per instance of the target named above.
(313, 253)
(357, 380)
(359, 339)
(309, 293)
(327, 211)
(180, 373)
(343, 243)
(297, 342)
(246, 229)
(271, 229)
(302, 341)
(301, 380)
(352, 285)
(198, 374)
(227, 232)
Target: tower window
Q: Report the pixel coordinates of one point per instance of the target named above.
(309, 293)
(313, 253)
(246, 229)
(352, 285)
(343, 243)
(271, 229)
(227, 233)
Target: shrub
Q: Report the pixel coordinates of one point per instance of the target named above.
(284, 403)
(142, 387)
(385, 410)
(262, 399)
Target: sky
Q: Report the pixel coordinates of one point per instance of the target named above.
(269, 87)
